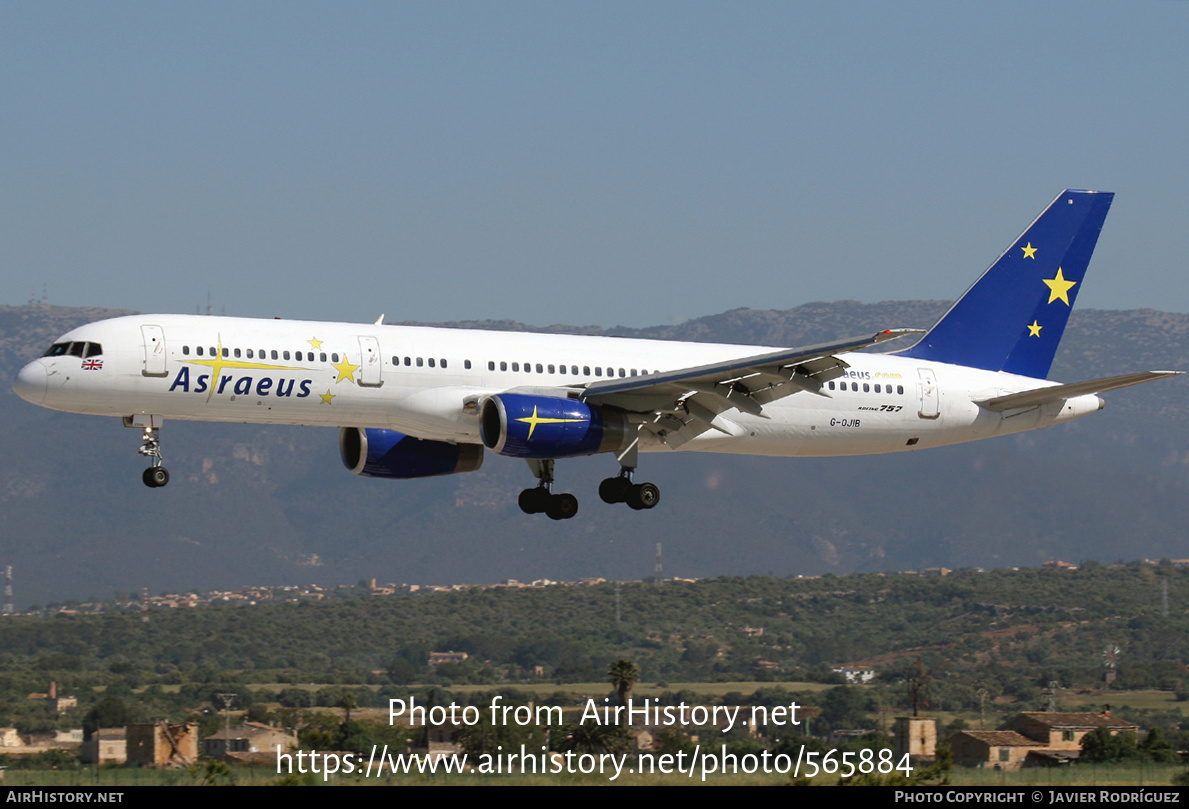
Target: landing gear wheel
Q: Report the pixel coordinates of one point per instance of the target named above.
(644, 496)
(155, 476)
(535, 501)
(615, 490)
(562, 506)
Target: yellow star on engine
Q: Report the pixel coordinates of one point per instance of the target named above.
(533, 420)
(326, 397)
(314, 342)
(1029, 251)
(1059, 287)
(1034, 329)
(346, 370)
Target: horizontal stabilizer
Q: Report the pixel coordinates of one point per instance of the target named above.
(1030, 398)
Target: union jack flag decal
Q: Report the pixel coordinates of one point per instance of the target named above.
(92, 365)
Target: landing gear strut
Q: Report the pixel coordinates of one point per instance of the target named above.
(156, 475)
(541, 498)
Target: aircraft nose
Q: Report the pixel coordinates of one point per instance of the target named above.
(30, 383)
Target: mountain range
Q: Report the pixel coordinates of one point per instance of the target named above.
(254, 504)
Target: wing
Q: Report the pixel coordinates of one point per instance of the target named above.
(681, 405)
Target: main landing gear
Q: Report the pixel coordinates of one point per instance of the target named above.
(542, 499)
(156, 475)
(620, 489)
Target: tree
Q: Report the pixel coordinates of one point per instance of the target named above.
(1100, 746)
(347, 703)
(592, 737)
(623, 675)
(109, 712)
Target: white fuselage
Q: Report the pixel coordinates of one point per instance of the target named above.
(426, 382)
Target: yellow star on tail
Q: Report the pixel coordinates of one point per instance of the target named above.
(1029, 251)
(1034, 329)
(1059, 287)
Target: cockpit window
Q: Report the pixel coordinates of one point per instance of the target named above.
(79, 348)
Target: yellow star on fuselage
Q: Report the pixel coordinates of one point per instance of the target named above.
(314, 342)
(346, 370)
(1029, 251)
(1059, 287)
(326, 397)
(1034, 329)
(533, 420)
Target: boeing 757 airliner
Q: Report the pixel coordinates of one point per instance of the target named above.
(416, 402)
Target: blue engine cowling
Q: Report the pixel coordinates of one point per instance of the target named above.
(377, 453)
(524, 426)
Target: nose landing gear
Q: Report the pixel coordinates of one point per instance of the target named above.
(156, 475)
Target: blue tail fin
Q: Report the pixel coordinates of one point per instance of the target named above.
(1013, 317)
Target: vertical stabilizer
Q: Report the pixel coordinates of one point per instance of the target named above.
(1013, 317)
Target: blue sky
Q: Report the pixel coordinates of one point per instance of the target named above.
(582, 163)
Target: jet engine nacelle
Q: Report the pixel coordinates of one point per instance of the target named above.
(375, 453)
(524, 426)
